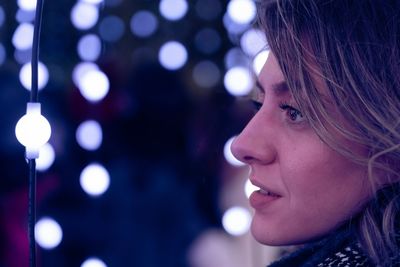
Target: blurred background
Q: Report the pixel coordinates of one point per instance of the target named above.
(144, 98)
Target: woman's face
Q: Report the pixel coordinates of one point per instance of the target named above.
(306, 188)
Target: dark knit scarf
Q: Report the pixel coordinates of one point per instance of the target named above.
(338, 249)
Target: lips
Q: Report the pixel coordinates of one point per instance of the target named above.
(265, 190)
(262, 198)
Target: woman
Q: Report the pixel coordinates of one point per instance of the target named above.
(324, 145)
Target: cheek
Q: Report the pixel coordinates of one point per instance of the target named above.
(322, 181)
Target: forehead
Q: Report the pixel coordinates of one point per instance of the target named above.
(271, 78)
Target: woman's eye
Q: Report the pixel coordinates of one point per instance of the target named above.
(293, 114)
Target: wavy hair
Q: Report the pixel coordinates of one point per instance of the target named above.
(353, 46)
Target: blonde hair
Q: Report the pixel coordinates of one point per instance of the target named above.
(354, 47)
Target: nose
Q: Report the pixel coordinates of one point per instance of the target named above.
(255, 144)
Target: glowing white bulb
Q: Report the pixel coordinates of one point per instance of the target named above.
(23, 36)
(259, 61)
(236, 221)
(94, 85)
(249, 188)
(229, 157)
(84, 16)
(95, 179)
(93, 262)
(238, 81)
(25, 75)
(28, 5)
(173, 9)
(173, 55)
(48, 233)
(46, 157)
(89, 135)
(242, 11)
(33, 130)
(89, 47)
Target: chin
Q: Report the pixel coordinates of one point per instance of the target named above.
(275, 236)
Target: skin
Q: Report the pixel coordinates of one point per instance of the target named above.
(318, 188)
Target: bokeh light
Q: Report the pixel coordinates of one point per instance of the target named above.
(84, 16)
(238, 81)
(206, 74)
(81, 69)
(173, 9)
(93, 2)
(94, 179)
(234, 29)
(89, 47)
(23, 36)
(236, 57)
(94, 85)
(48, 233)
(173, 55)
(207, 41)
(143, 23)
(89, 135)
(27, 4)
(249, 188)
(236, 221)
(228, 154)
(25, 75)
(111, 28)
(3, 54)
(93, 262)
(25, 16)
(259, 61)
(46, 157)
(253, 41)
(22, 56)
(242, 11)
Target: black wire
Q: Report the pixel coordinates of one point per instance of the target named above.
(32, 162)
(32, 212)
(35, 50)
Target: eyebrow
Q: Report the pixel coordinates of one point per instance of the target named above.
(279, 88)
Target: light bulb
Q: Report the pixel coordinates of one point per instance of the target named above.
(33, 130)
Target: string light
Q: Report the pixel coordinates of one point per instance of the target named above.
(93, 262)
(25, 75)
(238, 81)
(242, 11)
(22, 38)
(229, 157)
(259, 61)
(48, 233)
(236, 221)
(94, 179)
(173, 55)
(33, 130)
(173, 9)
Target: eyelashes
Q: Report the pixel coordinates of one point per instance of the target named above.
(293, 114)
